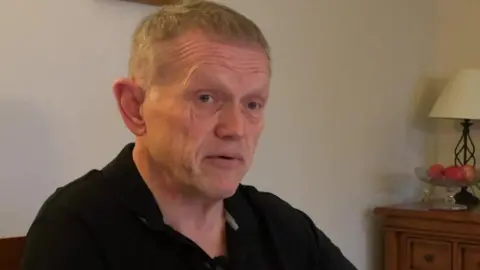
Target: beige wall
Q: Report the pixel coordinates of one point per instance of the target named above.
(341, 136)
(458, 36)
(457, 47)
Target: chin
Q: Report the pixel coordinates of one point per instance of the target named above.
(219, 183)
(229, 191)
(222, 189)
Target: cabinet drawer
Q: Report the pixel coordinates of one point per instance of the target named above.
(469, 257)
(423, 254)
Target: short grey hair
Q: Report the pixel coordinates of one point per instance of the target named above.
(173, 20)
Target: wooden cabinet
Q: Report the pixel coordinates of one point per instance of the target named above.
(419, 238)
(469, 257)
(428, 254)
(11, 252)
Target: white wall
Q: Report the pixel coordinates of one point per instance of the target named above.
(341, 136)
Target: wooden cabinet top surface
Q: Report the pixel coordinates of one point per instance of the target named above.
(424, 211)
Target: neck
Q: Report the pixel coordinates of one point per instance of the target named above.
(190, 213)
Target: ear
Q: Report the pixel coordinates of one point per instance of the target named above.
(130, 97)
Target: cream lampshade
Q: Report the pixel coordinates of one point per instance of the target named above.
(460, 99)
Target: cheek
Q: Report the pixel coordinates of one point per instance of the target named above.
(254, 133)
(165, 124)
(200, 122)
(203, 111)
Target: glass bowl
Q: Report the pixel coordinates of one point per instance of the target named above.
(422, 174)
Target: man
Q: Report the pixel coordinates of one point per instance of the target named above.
(195, 100)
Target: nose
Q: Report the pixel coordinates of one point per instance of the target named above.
(231, 123)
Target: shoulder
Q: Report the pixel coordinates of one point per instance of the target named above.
(74, 198)
(59, 237)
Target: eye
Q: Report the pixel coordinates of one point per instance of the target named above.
(205, 98)
(254, 105)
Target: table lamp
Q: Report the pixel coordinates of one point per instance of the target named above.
(460, 99)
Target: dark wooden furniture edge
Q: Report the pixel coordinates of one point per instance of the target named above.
(11, 252)
(422, 211)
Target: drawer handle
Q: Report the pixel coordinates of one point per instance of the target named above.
(429, 258)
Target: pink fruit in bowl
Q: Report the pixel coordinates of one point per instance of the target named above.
(469, 172)
(455, 173)
(436, 171)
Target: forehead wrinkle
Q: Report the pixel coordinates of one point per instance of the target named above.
(194, 50)
(212, 70)
(223, 80)
(178, 59)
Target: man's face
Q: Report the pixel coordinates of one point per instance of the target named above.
(203, 125)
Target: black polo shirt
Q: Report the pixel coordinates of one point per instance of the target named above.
(109, 220)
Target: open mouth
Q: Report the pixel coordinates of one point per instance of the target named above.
(224, 157)
(225, 161)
